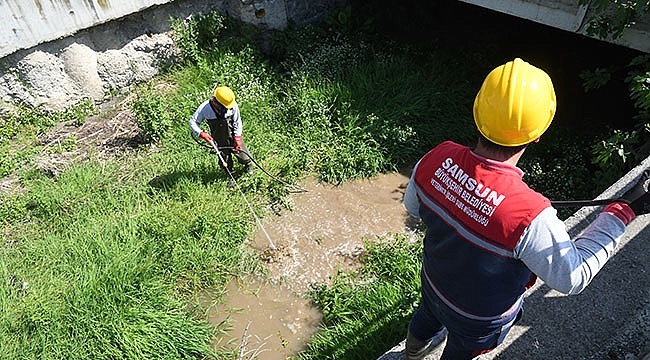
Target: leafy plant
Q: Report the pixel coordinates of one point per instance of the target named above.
(613, 154)
(639, 80)
(196, 34)
(622, 149)
(151, 113)
(610, 20)
(594, 79)
(612, 17)
(200, 35)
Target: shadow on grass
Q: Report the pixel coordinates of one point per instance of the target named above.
(171, 181)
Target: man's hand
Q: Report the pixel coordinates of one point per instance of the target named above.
(638, 196)
(205, 136)
(238, 143)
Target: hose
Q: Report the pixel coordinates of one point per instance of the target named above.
(300, 189)
(640, 188)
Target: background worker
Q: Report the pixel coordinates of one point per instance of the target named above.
(224, 120)
(488, 235)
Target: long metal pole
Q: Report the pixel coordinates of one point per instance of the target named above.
(257, 219)
(581, 203)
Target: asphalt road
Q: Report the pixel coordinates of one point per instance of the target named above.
(609, 320)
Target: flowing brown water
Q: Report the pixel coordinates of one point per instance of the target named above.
(322, 234)
(266, 321)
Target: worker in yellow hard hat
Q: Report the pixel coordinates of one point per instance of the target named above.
(224, 120)
(488, 235)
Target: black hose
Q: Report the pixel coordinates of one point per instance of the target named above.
(270, 175)
(252, 159)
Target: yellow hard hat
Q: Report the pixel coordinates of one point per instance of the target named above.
(225, 96)
(515, 104)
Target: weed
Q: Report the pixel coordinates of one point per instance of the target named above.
(373, 303)
(151, 113)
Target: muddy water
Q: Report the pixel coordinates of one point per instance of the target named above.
(265, 321)
(322, 234)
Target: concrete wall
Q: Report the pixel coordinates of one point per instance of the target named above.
(27, 23)
(69, 51)
(567, 15)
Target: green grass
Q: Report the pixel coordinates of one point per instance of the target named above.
(103, 260)
(366, 312)
(99, 269)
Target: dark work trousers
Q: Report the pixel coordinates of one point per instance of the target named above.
(221, 131)
(466, 338)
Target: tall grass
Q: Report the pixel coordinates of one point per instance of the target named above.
(101, 269)
(102, 261)
(367, 311)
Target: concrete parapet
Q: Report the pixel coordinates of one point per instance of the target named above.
(568, 15)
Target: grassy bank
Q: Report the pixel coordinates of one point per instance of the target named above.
(101, 261)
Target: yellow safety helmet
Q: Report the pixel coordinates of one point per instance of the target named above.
(515, 104)
(225, 96)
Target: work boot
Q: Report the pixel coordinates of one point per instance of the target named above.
(417, 349)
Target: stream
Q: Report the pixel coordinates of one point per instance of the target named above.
(322, 234)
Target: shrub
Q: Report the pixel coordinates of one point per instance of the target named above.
(151, 113)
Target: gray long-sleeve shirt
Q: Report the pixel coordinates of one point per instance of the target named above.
(204, 111)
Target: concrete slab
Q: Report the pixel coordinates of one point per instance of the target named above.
(609, 320)
(571, 16)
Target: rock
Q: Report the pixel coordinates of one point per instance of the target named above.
(114, 70)
(42, 78)
(80, 64)
(12, 92)
(50, 86)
